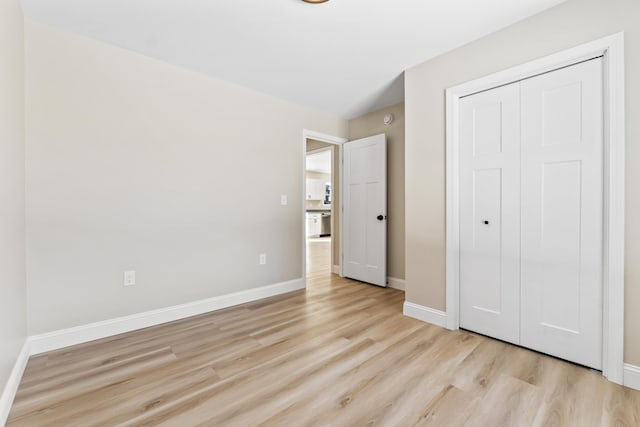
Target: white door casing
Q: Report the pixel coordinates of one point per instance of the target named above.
(490, 212)
(365, 210)
(562, 213)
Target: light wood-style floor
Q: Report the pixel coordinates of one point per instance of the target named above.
(339, 353)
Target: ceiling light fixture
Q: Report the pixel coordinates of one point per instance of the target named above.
(315, 1)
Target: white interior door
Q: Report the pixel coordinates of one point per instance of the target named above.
(562, 213)
(490, 212)
(531, 213)
(365, 210)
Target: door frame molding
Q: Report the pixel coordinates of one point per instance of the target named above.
(612, 50)
(329, 139)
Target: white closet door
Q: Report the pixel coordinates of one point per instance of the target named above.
(490, 212)
(562, 213)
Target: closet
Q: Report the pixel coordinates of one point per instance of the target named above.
(531, 212)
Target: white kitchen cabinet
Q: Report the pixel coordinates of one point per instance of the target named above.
(315, 189)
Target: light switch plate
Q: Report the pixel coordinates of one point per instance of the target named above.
(129, 278)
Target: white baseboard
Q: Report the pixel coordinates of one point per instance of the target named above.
(396, 283)
(93, 331)
(10, 389)
(426, 314)
(632, 376)
(336, 269)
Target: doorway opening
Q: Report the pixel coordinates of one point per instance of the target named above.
(321, 201)
(319, 185)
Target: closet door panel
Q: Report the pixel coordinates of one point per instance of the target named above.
(490, 213)
(562, 213)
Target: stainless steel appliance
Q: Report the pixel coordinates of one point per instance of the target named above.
(325, 227)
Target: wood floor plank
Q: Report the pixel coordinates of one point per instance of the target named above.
(418, 373)
(508, 402)
(339, 353)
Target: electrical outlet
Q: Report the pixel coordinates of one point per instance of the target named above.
(129, 278)
(283, 200)
(263, 259)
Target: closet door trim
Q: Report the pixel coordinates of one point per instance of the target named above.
(611, 48)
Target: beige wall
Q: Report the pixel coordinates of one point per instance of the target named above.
(570, 24)
(133, 163)
(372, 124)
(335, 197)
(12, 245)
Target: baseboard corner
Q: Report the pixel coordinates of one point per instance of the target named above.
(632, 376)
(13, 382)
(395, 283)
(425, 314)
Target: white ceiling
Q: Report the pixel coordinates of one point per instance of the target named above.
(319, 162)
(346, 57)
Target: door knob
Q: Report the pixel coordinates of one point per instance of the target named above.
(380, 217)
